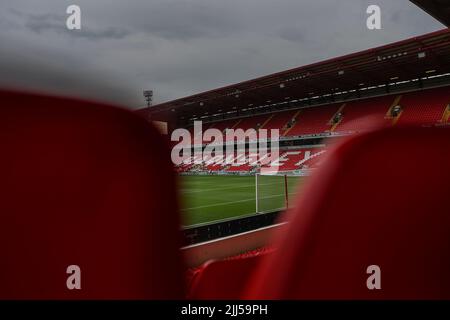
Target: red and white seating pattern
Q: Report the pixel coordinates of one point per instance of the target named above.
(425, 107)
(288, 160)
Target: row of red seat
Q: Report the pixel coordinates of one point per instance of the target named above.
(424, 107)
(290, 160)
(224, 279)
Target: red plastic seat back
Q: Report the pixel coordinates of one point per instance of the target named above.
(223, 280)
(87, 185)
(380, 200)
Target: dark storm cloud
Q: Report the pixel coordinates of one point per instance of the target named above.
(180, 47)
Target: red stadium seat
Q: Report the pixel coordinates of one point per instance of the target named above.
(380, 200)
(84, 185)
(223, 280)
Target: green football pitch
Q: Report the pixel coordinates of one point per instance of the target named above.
(211, 198)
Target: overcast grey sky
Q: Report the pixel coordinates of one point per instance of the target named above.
(182, 47)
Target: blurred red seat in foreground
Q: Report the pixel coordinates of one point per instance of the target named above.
(380, 199)
(224, 279)
(88, 185)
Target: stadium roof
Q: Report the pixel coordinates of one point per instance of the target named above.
(405, 60)
(439, 9)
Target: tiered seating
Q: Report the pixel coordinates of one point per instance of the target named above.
(226, 124)
(254, 122)
(359, 115)
(200, 137)
(184, 167)
(424, 107)
(313, 120)
(316, 159)
(244, 168)
(446, 116)
(214, 167)
(279, 120)
(287, 161)
(297, 159)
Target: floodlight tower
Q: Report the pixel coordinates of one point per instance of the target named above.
(148, 94)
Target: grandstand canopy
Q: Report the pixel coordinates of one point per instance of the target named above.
(439, 9)
(413, 58)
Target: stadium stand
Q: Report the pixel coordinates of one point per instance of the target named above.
(355, 114)
(78, 188)
(312, 120)
(227, 124)
(370, 204)
(296, 159)
(255, 122)
(446, 116)
(244, 167)
(184, 168)
(288, 160)
(280, 120)
(428, 107)
(424, 107)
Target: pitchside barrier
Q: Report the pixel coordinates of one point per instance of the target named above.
(227, 227)
(217, 173)
(197, 254)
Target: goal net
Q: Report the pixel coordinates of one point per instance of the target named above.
(274, 191)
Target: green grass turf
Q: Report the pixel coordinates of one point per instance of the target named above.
(211, 198)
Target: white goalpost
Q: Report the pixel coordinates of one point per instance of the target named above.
(271, 192)
(256, 193)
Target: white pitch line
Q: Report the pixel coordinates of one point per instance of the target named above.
(232, 202)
